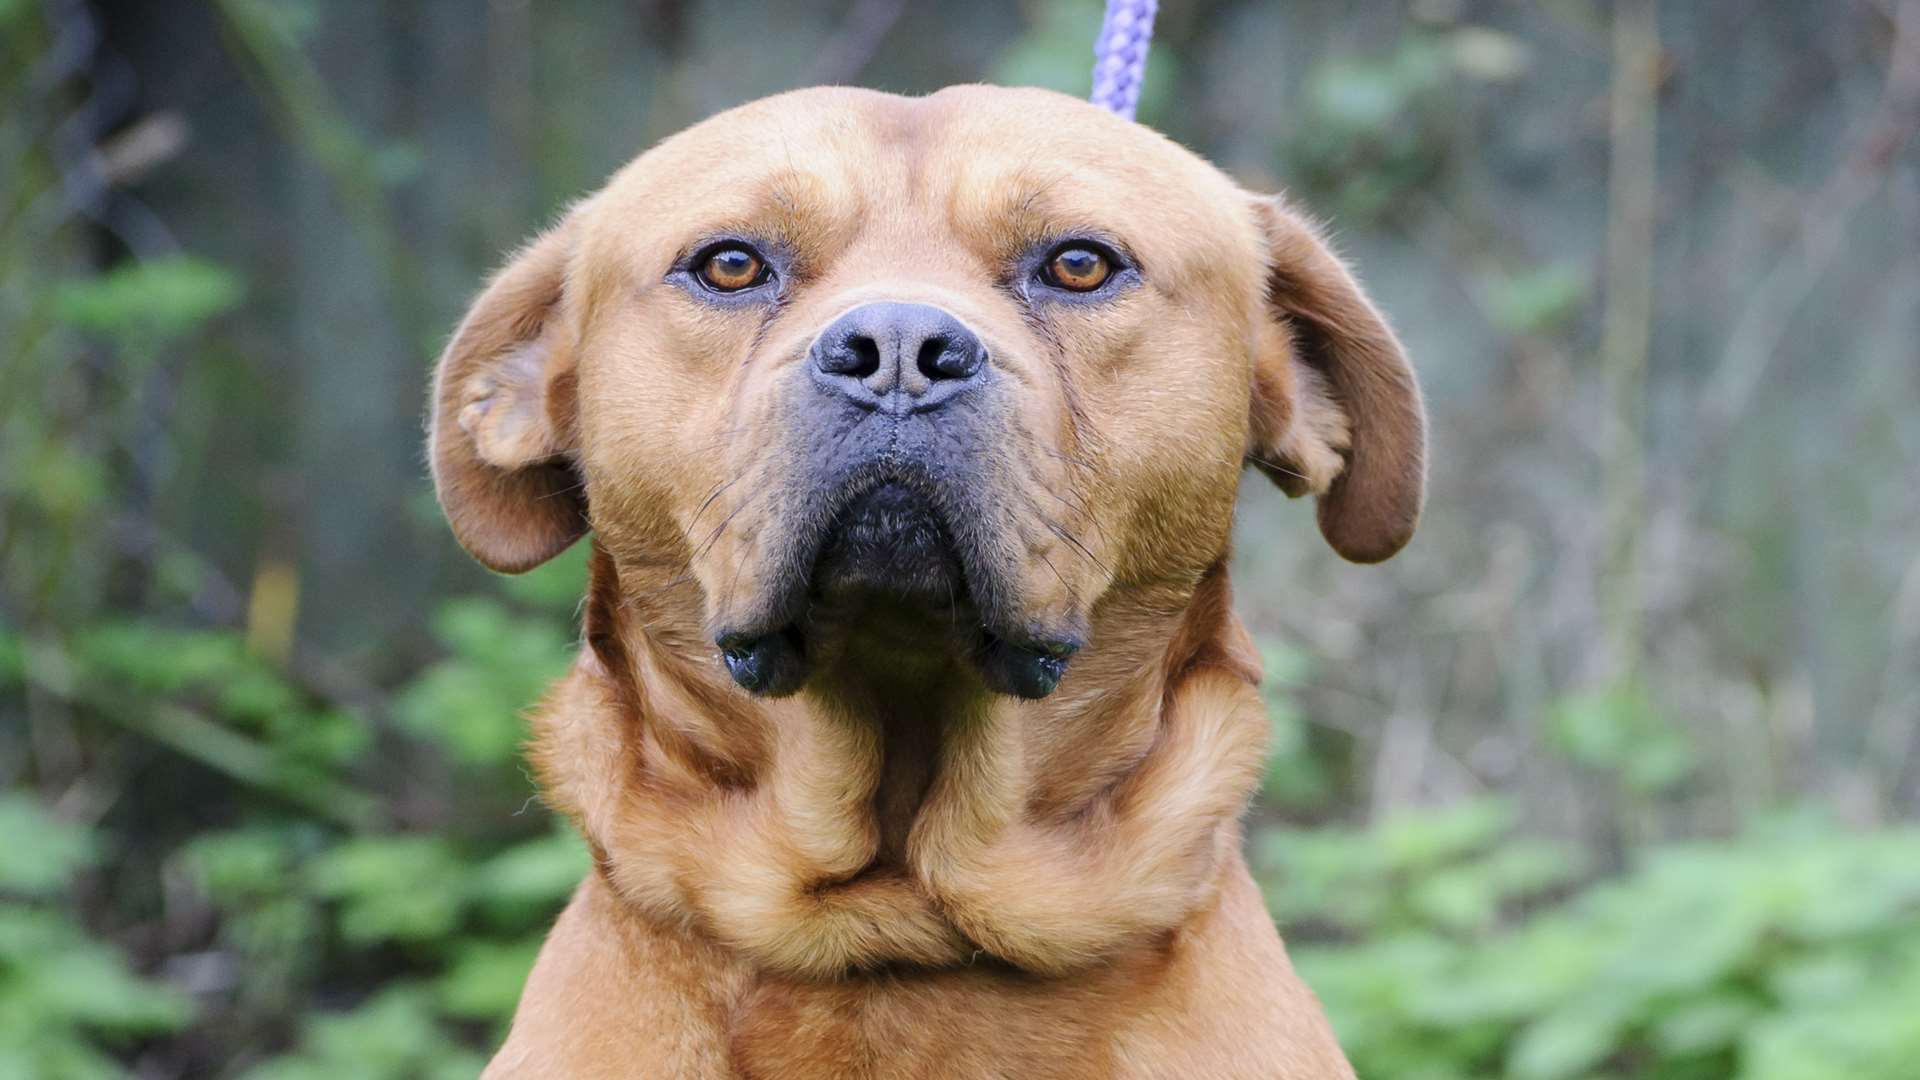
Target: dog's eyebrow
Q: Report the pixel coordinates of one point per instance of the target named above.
(795, 207)
(1039, 191)
(788, 210)
(1020, 208)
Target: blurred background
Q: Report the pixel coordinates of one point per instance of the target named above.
(1615, 772)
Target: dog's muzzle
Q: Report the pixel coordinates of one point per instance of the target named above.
(899, 414)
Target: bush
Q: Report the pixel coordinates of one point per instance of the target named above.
(1448, 951)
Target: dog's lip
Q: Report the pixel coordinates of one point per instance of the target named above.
(776, 664)
(772, 655)
(1026, 667)
(768, 664)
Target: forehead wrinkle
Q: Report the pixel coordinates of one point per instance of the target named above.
(796, 208)
(791, 199)
(1012, 211)
(907, 130)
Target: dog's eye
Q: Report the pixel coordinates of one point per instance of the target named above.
(732, 267)
(1078, 269)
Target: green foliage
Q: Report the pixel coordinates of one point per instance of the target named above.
(1412, 871)
(1295, 776)
(1377, 127)
(41, 854)
(483, 981)
(394, 1036)
(1790, 952)
(1619, 731)
(498, 663)
(1538, 299)
(143, 303)
(214, 670)
(353, 947)
(391, 888)
(62, 992)
(469, 924)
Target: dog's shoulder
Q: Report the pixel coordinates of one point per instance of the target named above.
(614, 996)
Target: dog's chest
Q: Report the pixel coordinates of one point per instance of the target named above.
(955, 1024)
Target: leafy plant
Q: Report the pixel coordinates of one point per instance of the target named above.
(1789, 952)
(1376, 125)
(144, 303)
(62, 993)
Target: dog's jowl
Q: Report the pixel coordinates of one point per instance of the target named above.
(913, 724)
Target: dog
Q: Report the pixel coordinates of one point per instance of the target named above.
(912, 724)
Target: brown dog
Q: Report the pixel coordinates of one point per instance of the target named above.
(915, 726)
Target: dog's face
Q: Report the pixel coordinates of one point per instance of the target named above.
(985, 356)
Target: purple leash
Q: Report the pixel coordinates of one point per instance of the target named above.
(1120, 54)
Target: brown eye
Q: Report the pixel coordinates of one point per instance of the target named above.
(1079, 269)
(732, 268)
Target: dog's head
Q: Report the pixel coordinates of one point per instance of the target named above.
(988, 356)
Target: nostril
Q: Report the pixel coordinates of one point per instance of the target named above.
(857, 355)
(932, 357)
(864, 353)
(941, 357)
(888, 349)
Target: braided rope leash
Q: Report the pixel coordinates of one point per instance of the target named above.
(1120, 54)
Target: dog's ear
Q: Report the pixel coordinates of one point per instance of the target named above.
(501, 438)
(1336, 407)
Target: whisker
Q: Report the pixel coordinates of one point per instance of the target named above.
(1063, 534)
(640, 598)
(1277, 467)
(714, 536)
(1067, 458)
(712, 496)
(579, 484)
(1072, 593)
(1079, 506)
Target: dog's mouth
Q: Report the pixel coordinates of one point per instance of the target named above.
(891, 550)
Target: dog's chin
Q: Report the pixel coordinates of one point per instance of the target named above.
(890, 543)
(888, 564)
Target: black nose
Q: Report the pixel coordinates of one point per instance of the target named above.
(907, 356)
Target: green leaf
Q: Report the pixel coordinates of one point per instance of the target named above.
(394, 1036)
(555, 585)
(241, 864)
(1565, 1044)
(393, 888)
(1427, 838)
(485, 979)
(88, 984)
(53, 977)
(1367, 94)
(1619, 731)
(537, 874)
(471, 703)
(1536, 300)
(39, 853)
(1709, 1024)
(151, 301)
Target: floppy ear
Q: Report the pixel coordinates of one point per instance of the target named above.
(501, 438)
(1336, 407)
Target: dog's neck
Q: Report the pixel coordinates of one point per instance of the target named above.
(914, 821)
